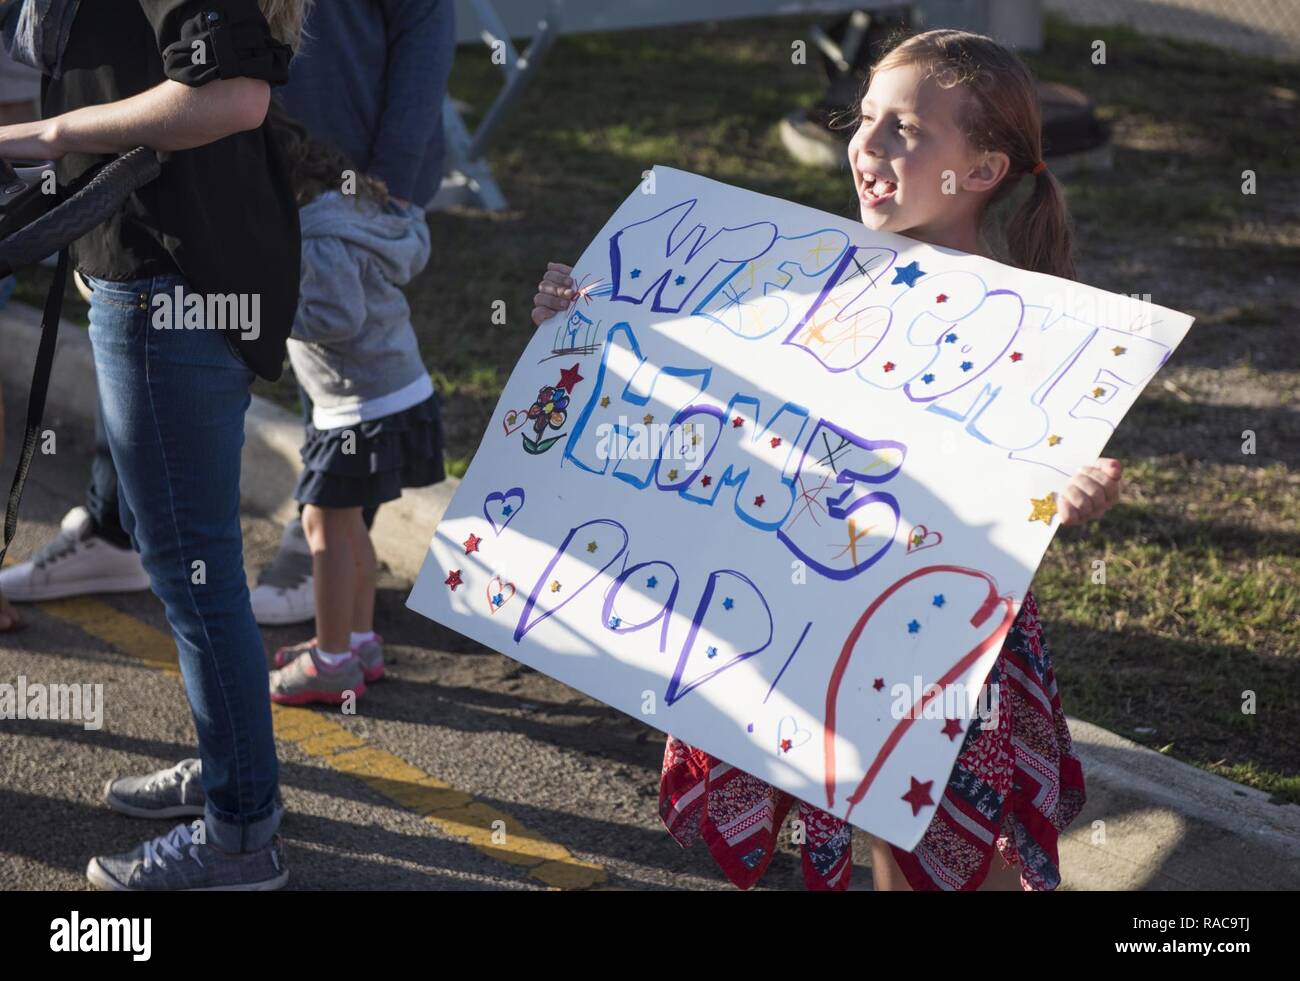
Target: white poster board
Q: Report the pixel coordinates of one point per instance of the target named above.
(784, 485)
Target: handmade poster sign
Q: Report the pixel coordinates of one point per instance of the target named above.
(778, 484)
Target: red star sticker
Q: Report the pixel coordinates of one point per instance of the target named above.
(776, 441)
(569, 378)
(706, 480)
(889, 366)
(758, 501)
(1016, 355)
(880, 683)
(737, 422)
(919, 795)
(941, 298)
(471, 543)
(952, 728)
(453, 579)
(785, 745)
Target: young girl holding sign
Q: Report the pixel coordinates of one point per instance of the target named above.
(949, 124)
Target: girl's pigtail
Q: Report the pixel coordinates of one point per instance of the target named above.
(1039, 236)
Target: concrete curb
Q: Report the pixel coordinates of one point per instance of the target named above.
(1167, 824)
(272, 437)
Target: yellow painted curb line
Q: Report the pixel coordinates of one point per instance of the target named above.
(454, 812)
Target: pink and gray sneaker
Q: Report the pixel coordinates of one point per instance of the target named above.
(370, 654)
(307, 679)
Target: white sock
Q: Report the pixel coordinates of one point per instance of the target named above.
(332, 660)
(359, 639)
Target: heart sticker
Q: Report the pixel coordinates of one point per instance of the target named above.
(500, 507)
(514, 421)
(499, 593)
(919, 538)
(789, 736)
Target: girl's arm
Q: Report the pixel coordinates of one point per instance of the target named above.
(169, 116)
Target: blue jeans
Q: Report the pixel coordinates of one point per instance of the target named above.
(172, 403)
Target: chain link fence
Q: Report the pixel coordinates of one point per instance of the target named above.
(1265, 28)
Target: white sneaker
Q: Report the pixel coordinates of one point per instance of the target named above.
(284, 591)
(76, 562)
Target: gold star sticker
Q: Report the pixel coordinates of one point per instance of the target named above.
(672, 474)
(604, 401)
(555, 586)
(591, 546)
(1044, 508)
(1053, 439)
(695, 440)
(647, 418)
(1117, 350)
(1098, 392)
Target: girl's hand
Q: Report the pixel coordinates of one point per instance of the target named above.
(1091, 492)
(36, 140)
(555, 292)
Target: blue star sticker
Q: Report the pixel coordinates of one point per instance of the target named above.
(713, 652)
(908, 274)
(507, 509)
(951, 338)
(652, 582)
(967, 366)
(498, 599)
(913, 627)
(636, 273)
(939, 600)
(927, 378)
(680, 280)
(728, 603)
(614, 622)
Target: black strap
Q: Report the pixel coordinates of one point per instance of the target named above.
(36, 400)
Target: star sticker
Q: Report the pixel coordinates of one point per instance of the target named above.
(737, 422)
(680, 280)
(776, 441)
(1117, 350)
(967, 366)
(1053, 439)
(453, 579)
(711, 652)
(919, 795)
(1016, 355)
(695, 439)
(706, 480)
(918, 538)
(728, 603)
(471, 543)
(591, 546)
(1044, 508)
(1098, 392)
(950, 339)
(913, 627)
(878, 684)
(939, 600)
(927, 378)
(908, 274)
(758, 501)
(786, 745)
(569, 377)
(652, 582)
(555, 585)
(614, 622)
(508, 510)
(498, 599)
(890, 366)
(636, 273)
(604, 401)
(952, 729)
(672, 474)
(647, 418)
(941, 298)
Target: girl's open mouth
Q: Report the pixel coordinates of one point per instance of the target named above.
(876, 190)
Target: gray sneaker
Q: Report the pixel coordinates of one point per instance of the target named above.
(306, 679)
(175, 862)
(174, 792)
(369, 653)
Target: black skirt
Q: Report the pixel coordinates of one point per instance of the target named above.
(365, 465)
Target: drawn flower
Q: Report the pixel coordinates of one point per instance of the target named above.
(550, 408)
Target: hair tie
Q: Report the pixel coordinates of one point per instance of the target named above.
(1039, 168)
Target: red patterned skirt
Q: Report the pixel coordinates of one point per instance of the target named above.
(1014, 788)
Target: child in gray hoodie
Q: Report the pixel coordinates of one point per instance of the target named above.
(375, 426)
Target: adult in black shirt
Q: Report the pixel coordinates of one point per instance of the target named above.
(195, 285)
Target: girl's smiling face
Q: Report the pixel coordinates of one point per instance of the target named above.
(907, 141)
